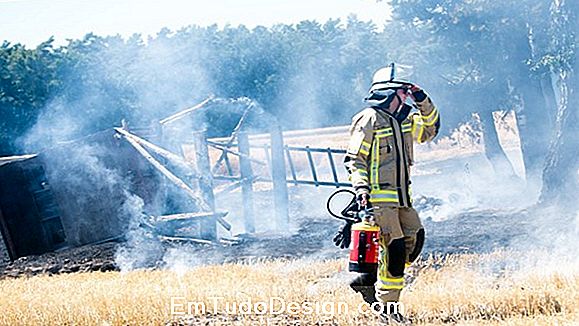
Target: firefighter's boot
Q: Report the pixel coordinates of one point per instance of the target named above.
(391, 315)
(364, 284)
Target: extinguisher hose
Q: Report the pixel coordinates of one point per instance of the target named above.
(341, 216)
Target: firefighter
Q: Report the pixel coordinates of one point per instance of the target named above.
(378, 160)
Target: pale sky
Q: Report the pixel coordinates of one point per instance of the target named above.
(33, 21)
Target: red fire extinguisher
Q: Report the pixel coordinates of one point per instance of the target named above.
(364, 246)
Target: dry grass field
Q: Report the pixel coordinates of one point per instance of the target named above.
(454, 289)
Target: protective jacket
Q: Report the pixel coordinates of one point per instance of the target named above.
(380, 151)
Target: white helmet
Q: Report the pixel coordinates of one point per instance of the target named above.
(391, 77)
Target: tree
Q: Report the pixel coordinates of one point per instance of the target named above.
(28, 77)
(560, 176)
(481, 48)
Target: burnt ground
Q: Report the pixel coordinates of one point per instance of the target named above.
(472, 232)
(83, 259)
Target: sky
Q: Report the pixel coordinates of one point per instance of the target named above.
(31, 22)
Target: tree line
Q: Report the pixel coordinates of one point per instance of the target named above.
(308, 75)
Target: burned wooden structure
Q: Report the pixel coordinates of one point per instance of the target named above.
(70, 195)
(30, 221)
(92, 189)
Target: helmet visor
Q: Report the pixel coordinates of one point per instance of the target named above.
(380, 96)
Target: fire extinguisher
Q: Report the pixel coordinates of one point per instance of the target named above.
(364, 247)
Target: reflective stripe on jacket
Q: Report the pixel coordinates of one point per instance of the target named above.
(380, 151)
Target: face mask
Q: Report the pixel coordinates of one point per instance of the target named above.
(402, 113)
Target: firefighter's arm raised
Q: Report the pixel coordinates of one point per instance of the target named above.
(357, 155)
(426, 123)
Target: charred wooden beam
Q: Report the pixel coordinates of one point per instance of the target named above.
(159, 150)
(233, 185)
(246, 183)
(168, 174)
(12, 251)
(194, 216)
(184, 216)
(185, 112)
(244, 155)
(278, 175)
(184, 239)
(233, 136)
(208, 226)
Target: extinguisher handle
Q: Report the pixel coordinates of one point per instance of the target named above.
(365, 213)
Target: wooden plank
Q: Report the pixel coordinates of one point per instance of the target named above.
(223, 223)
(230, 240)
(184, 239)
(168, 174)
(226, 178)
(233, 135)
(278, 174)
(185, 112)
(228, 165)
(227, 188)
(267, 156)
(246, 183)
(208, 225)
(159, 150)
(10, 248)
(184, 216)
(225, 149)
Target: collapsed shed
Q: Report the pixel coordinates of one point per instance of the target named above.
(98, 188)
(93, 189)
(72, 194)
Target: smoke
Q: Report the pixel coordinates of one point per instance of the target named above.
(551, 231)
(82, 177)
(115, 80)
(140, 84)
(55, 124)
(141, 249)
(490, 212)
(164, 76)
(303, 89)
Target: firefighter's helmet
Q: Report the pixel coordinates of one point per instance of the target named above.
(390, 77)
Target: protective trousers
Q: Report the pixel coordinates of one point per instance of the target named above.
(401, 240)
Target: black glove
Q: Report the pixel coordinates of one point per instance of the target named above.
(417, 93)
(344, 236)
